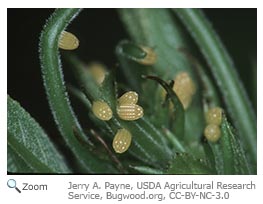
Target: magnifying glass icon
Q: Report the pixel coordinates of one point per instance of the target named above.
(11, 183)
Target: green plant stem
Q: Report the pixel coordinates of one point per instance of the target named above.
(225, 74)
(56, 91)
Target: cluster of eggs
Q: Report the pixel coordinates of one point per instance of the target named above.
(212, 131)
(127, 109)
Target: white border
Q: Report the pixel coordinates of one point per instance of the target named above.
(259, 95)
(3, 92)
(132, 4)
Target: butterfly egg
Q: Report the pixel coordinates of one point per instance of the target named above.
(128, 98)
(184, 88)
(101, 110)
(150, 58)
(68, 41)
(130, 111)
(98, 71)
(212, 133)
(122, 141)
(214, 116)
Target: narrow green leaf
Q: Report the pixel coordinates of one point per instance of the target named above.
(229, 154)
(128, 54)
(147, 170)
(16, 164)
(211, 158)
(81, 97)
(178, 146)
(178, 109)
(186, 164)
(148, 143)
(226, 76)
(233, 147)
(209, 92)
(57, 95)
(218, 158)
(28, 141)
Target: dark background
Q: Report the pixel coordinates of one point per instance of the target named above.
(100, 30)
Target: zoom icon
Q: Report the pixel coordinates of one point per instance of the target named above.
(11, 183)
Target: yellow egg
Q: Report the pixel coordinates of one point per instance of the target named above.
(68, 41)
(98, 71)
(212, 133)
(128, 98)
(122, 141)
(130, 112)
(102, 110)
(150, 58)
(214, 116)
(184, 88)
